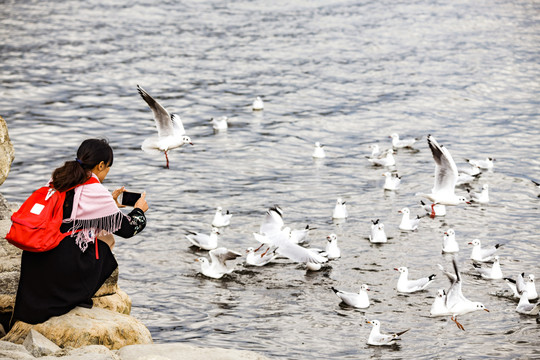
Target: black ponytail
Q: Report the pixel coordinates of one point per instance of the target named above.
(76, 172)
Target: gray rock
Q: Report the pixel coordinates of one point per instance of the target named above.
(38, 345)
(12, 351)
(90, 352)
(185, 352)
(7, 153)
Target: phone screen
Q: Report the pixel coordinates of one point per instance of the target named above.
(130, 198)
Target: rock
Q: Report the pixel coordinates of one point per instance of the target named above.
(184, 351)
(7, 153)
(38, 345)
(81, 327)
(13, 351)
(90, 352)
(118, 302)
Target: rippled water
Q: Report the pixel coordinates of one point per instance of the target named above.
(345, 73)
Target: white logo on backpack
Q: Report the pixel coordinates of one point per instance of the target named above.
(37, 208)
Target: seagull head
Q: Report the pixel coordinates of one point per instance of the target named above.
(475, 242)
(187, 140)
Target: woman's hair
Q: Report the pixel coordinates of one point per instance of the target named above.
(76, 172)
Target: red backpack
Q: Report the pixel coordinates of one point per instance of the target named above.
(36, 225)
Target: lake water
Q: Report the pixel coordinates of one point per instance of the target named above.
(345, 73)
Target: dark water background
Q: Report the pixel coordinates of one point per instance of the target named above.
(345, 73)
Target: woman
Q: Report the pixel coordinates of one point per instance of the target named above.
(54, 282)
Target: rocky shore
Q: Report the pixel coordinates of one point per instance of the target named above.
(106, 331)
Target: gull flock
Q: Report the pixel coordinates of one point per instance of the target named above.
(274, 240)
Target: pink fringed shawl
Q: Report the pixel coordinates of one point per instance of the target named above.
(94, 211)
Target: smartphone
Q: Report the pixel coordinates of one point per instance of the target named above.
(130, 198)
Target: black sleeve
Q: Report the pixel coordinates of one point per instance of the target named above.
(132, 224)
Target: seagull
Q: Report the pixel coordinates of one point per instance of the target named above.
(171, 133)
(440, 210)
(220, 219)
(258, 104)
(520, 284)
(219, 123)
(340, 210)
(203, 241)
(299, 236)
(445, 177)
(406, 223)
(217, 267)
(482, 197)
(404, 285)
(332, 250)
(456, 302)
(487, 163)
(273, 221)
(375, 150)
(466, 178)
(387, 159)
(450, 244)
(377, 232)
(438, 308)
(358, 300)
(525, 307)
(318, 152)
(480, 254)
(403, 143)
(255, 259)
(493, 273)
(378, 339)
(392, 181)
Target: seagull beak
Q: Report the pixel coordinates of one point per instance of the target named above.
(399, 211)
(368, 322)
(396, 269)
(196, 259)
(467, 202)
(486, 310)
(190, 143)
(445, 233)
(469, 243)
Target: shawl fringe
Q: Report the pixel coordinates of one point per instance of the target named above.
(86, 230)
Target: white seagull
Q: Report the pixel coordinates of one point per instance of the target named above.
(481, 197)
(217, 267)
(443, 191)
(171, 133)
(258, 104)
(407, 223)
(392, 181)
(480, 254)
(220, 123)
(340, 210)
(255, 259)
(273, 221)
(332, 250)
(404, 285)
(492, 273)
(203, 241)
(220, 219)
(375, 151)
(525, 307)
(300, 236)
(358, 300)
(450, 244)
(456, 302)
(438, 308)
(403, 143)
(520, 284)
(378, 234)
(486, 163)
(318, 152)
(440, 210)
(378, 339)
(387, 159)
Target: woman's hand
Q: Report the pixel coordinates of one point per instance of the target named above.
(141, 203)
(116, 193)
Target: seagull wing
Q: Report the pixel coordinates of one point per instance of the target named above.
(273, 221)
(178, 127)
(300, 254)
(520, 284)
(162, 117)
(446, 173)
(220, 255)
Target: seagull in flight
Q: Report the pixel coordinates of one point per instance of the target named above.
(171, 133)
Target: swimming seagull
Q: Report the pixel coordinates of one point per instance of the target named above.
(255, 259)
(520, 284)
(375, 151)
(203, 241)
(440, 210)
(340, 210)
(220, 123)
(492, 273)
(358, 300)
(443, 191)
(403, 143)
(525, 307)
(407, 223)
(220, 219)
(481, 197)
(404, 285)
(377, 232)
(332, 250)
(258, 104)
(392, 181)
(456, 302)
(318, 152)
(377, 338)
(217, 266)
(486, 163)
(438, 308)
(480, 254)
(300, 236)
(450, 244)
(385, 159)
(171, 133)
